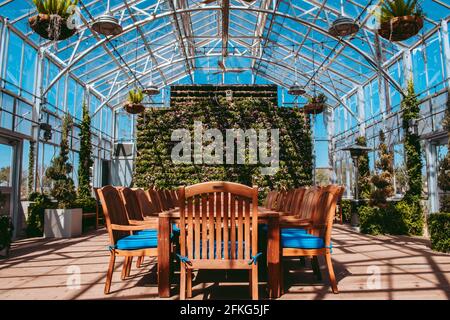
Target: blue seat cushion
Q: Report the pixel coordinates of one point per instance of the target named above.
(148, 232)
(264, 228)
(137, 241)
(295, 238)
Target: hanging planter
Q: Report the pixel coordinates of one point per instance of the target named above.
(52, 20)
(400, 20)
(134, 104)
(316, 104)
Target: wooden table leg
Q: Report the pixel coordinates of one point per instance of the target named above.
(164, 257)
(273, 258)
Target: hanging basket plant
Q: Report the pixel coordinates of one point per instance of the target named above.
(316, 104)
(53, 19)
(134, 104)
(400, 19)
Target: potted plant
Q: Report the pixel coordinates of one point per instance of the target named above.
(316, 104)
(6, 232)
(400, 19)
(64, 221)
(134, 104)
(52, 20)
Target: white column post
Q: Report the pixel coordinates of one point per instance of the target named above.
(329, 125)
(407, 66)
(361, 111)
(433, 196)
(446, 49)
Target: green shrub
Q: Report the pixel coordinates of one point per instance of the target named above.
(36, 210)
(6, 232)
(439, 227)
(394, 218)
(88, 205)
(349, 207)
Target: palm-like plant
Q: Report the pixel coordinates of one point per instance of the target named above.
(135, 96)
(58, 7)
(399, 8)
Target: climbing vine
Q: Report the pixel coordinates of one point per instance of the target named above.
(411, 113)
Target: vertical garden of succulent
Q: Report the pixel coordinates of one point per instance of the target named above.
(154, 166)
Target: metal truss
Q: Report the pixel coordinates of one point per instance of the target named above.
(168, 40)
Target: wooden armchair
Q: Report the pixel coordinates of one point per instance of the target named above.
(318, 242)
(303, 215)
(219, 230)
(123, 241)
(270, 200)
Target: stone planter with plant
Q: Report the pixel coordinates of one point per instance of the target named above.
(64, 221)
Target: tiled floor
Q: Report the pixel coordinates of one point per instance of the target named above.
(385, 267)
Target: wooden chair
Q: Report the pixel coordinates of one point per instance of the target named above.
(154, 199)
(318, 241)
(122, 240)
(147, 206)
(296, 200)
(219, 231)
(133, 209)
(303, 215)
(280, 200)
(271, 199)
(286, 206)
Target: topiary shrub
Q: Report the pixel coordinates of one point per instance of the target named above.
(364, 187)
(86, 161)
(383, 180)
(439, 227)
(63, 187)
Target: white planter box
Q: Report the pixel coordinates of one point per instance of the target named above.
(62, 223)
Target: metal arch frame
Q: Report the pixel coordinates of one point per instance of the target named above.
(237, 8)
(114, 94)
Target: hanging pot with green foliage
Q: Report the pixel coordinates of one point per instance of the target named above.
(316, 104)
(400, 19)
(134, 104)
(53, 21)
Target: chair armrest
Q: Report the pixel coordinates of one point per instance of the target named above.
(121, 227)
(296, 221)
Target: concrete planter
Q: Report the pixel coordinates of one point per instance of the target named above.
(62, 223)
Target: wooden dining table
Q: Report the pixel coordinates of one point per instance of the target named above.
(265, 216)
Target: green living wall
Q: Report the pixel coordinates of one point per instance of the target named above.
(154, 166)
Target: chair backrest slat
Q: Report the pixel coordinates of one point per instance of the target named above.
(218, 220)
(218, 224)
(233, 226)
(197, 235)
(226, 212)
(247, 225)
(281, 198)
(204, 226)
(190, 233)
(211, 229)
